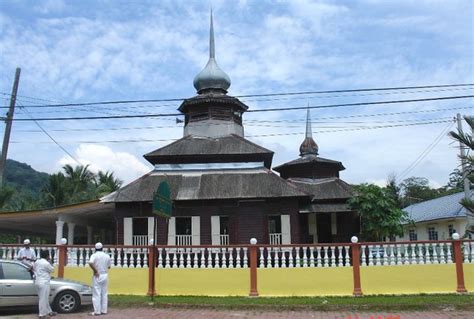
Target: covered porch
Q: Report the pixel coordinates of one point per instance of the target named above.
(81, 223)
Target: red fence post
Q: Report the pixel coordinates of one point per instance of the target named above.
(253, 268)
(459, 268)
(62, 257)
(151, 270)
(356, 266)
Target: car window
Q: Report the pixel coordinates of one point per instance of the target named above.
(14, 271)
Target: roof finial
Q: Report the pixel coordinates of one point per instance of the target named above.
(211, 79)
(212, 50)
(309, 133)
(309, 146)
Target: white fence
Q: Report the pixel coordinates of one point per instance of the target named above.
(268, 256)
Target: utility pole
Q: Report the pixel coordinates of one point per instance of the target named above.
(467, 183)
(8, 126)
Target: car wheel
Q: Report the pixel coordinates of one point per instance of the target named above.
(67, 301)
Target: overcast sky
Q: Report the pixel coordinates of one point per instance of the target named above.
(102, 50)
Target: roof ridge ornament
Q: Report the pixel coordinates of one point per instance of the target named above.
(212, 79)
(309, 146)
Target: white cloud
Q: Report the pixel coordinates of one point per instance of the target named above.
(102, 158)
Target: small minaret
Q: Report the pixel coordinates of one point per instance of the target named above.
(309, 146)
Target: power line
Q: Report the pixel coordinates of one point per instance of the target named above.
(254, 136)
(256, 95)
(220, 124)
(55, 142)
(426, 151)
(71, 109)
(251, 111)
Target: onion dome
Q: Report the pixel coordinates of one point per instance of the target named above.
(309, 146)
(211, 78)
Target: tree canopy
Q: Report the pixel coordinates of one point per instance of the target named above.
(71, 185)
(380, 214)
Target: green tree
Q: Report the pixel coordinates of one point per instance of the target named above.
(106, 183)
(55, 192)
(417, 189)
(467, 140)
(380, 215)
(6, 194)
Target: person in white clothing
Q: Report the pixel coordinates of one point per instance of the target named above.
(100, 263)
(26, 254)
(43, 269)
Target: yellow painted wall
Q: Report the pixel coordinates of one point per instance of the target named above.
(305, 281)
(132, 281)
(469, 277)
(203, 282)
(408, 279)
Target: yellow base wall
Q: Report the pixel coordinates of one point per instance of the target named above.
(469, 277)
(203, 282)
(305, 281)
(408, 279)
(121, 280)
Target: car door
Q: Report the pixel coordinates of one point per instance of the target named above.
(17, 286)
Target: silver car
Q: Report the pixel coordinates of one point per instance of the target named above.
(17, 288)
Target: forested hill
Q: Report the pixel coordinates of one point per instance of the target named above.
(23, 178)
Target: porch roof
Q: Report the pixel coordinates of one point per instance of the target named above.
(43, 222)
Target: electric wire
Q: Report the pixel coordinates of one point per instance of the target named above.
(256, 95)
(444, 98)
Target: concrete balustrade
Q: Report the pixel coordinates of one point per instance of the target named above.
(319, 269)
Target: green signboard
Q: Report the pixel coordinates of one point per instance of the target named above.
(162, 204)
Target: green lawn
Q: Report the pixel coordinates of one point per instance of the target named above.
(411, 302)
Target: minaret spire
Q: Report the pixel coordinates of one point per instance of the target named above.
(309, 146)
(309, 133)
(212, 79)
(212, 49)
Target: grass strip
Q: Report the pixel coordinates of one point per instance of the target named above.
(395, 302)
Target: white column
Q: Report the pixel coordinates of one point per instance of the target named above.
(172, 231)
(151, 227)
(285, 230)
(215, 230)
(196, 230)
(89, 235)
(127, 231)
(59, 231)
(70, 233)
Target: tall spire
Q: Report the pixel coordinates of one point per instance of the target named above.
(309, 146)
(309, 133)
(212, 49)
(212, 79)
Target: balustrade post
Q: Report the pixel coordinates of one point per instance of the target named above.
(459, 267)
(253, 268)
(356, 266)
(151, 268)
(62, 257)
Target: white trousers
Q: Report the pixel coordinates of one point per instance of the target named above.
(43, 289)
(99, 293)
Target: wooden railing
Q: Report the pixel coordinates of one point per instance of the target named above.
(140, 240)
(275, 238)
(184, 240)
(224, 240)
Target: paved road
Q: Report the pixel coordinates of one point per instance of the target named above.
(171, 313)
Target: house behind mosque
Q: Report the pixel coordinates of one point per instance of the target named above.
(222, 186)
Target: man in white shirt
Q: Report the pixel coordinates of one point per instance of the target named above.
(26, 254)
(100, 263)
(43, 269)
